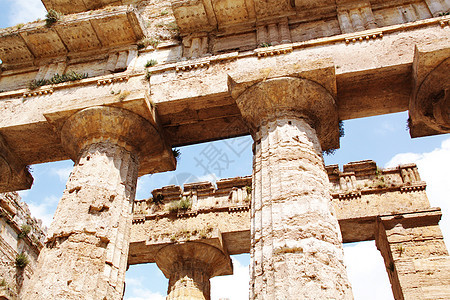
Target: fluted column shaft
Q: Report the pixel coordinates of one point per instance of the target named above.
(296, 242)
(189, 280)
(85, 257)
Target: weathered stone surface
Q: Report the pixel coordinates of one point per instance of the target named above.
(189, 266)
(14, 175)
(430, 102)
(415, 255)
(72, 34)
(19, 234)
(291, 218)
(336, 59)
(291, 215)
(87, 245)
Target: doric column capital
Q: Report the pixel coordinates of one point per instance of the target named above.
(189, 266)
(296, 97)
(118, 126)
(170, 256)
(429, 108)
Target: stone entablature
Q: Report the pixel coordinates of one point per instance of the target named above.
(202, 103)
(20, 233)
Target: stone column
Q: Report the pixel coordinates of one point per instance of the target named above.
(415, 255)
(86, 252)
(296, 245)
(189, 266)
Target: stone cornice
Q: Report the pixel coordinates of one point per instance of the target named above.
(84, 32)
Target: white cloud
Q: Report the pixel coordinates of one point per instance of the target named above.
(45, 209)
(233, 287)
(366, 271)
(22, 11)
(63, 173)
(134, 287)
(433, 169)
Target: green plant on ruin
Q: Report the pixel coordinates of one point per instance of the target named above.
(25, 230)
(122, 95)
(248, 189)
(148, 75)
(172, 26)
(329, 152)
(52, 17)
(35, 240)
(57, 78)
(158, 199)
(164, 12)
(265, 45)
(20, 25)
(378, 172)
(21, 260)
(144, 43)
(341, 128)
(34, 84)
(151, 63)
(183, 204)
(408, 124)
(176, 153)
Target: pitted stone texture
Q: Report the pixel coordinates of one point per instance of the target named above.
(87, 248)
(296, 243)
(14, 175)
(189, 266)
(415, 255)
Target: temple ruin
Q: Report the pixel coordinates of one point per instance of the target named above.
(115, 85)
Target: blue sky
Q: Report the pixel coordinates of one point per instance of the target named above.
(383, 139)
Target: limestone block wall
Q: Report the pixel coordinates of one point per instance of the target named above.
(217, 216)
(19, 234)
